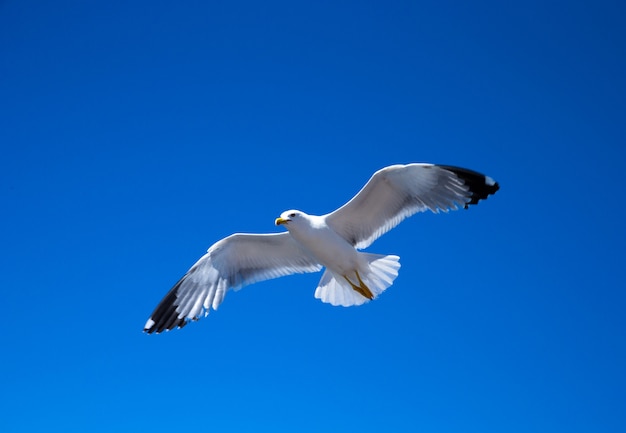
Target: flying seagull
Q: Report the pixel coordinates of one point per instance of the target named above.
(328, 241)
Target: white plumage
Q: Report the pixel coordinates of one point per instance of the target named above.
(331, 241)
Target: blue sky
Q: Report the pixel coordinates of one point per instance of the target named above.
(135, 134)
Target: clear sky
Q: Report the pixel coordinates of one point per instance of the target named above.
(135, 134)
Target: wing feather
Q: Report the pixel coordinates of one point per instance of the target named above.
(231, 263)
(399, 191)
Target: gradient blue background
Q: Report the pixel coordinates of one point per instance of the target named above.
(135, 134)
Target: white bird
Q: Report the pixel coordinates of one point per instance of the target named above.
(329, 241)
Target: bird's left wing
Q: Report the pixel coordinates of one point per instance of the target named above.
(231, 263)
(399, 191)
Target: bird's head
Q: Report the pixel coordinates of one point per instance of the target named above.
(288, 216)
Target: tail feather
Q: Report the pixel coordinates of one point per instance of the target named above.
(338, 290)
(335, 290)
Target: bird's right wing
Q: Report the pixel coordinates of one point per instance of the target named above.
(231, 263)
(399, 191)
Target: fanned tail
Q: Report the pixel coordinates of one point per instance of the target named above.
(360, 287)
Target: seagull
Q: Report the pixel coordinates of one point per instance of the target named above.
(330, 241)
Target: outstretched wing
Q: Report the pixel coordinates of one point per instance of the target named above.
(399, 191)
(231, 263)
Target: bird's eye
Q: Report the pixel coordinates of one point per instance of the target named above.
(292, 215)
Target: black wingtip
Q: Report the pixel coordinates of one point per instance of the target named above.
(165, 317)
(480, 185)
(164, 325)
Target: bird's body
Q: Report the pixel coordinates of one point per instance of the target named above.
(314, 235)
(328, 241)
(347, 269)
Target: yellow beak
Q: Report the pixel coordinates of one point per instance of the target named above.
(280, 221)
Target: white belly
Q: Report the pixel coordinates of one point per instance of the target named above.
(330, 250)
